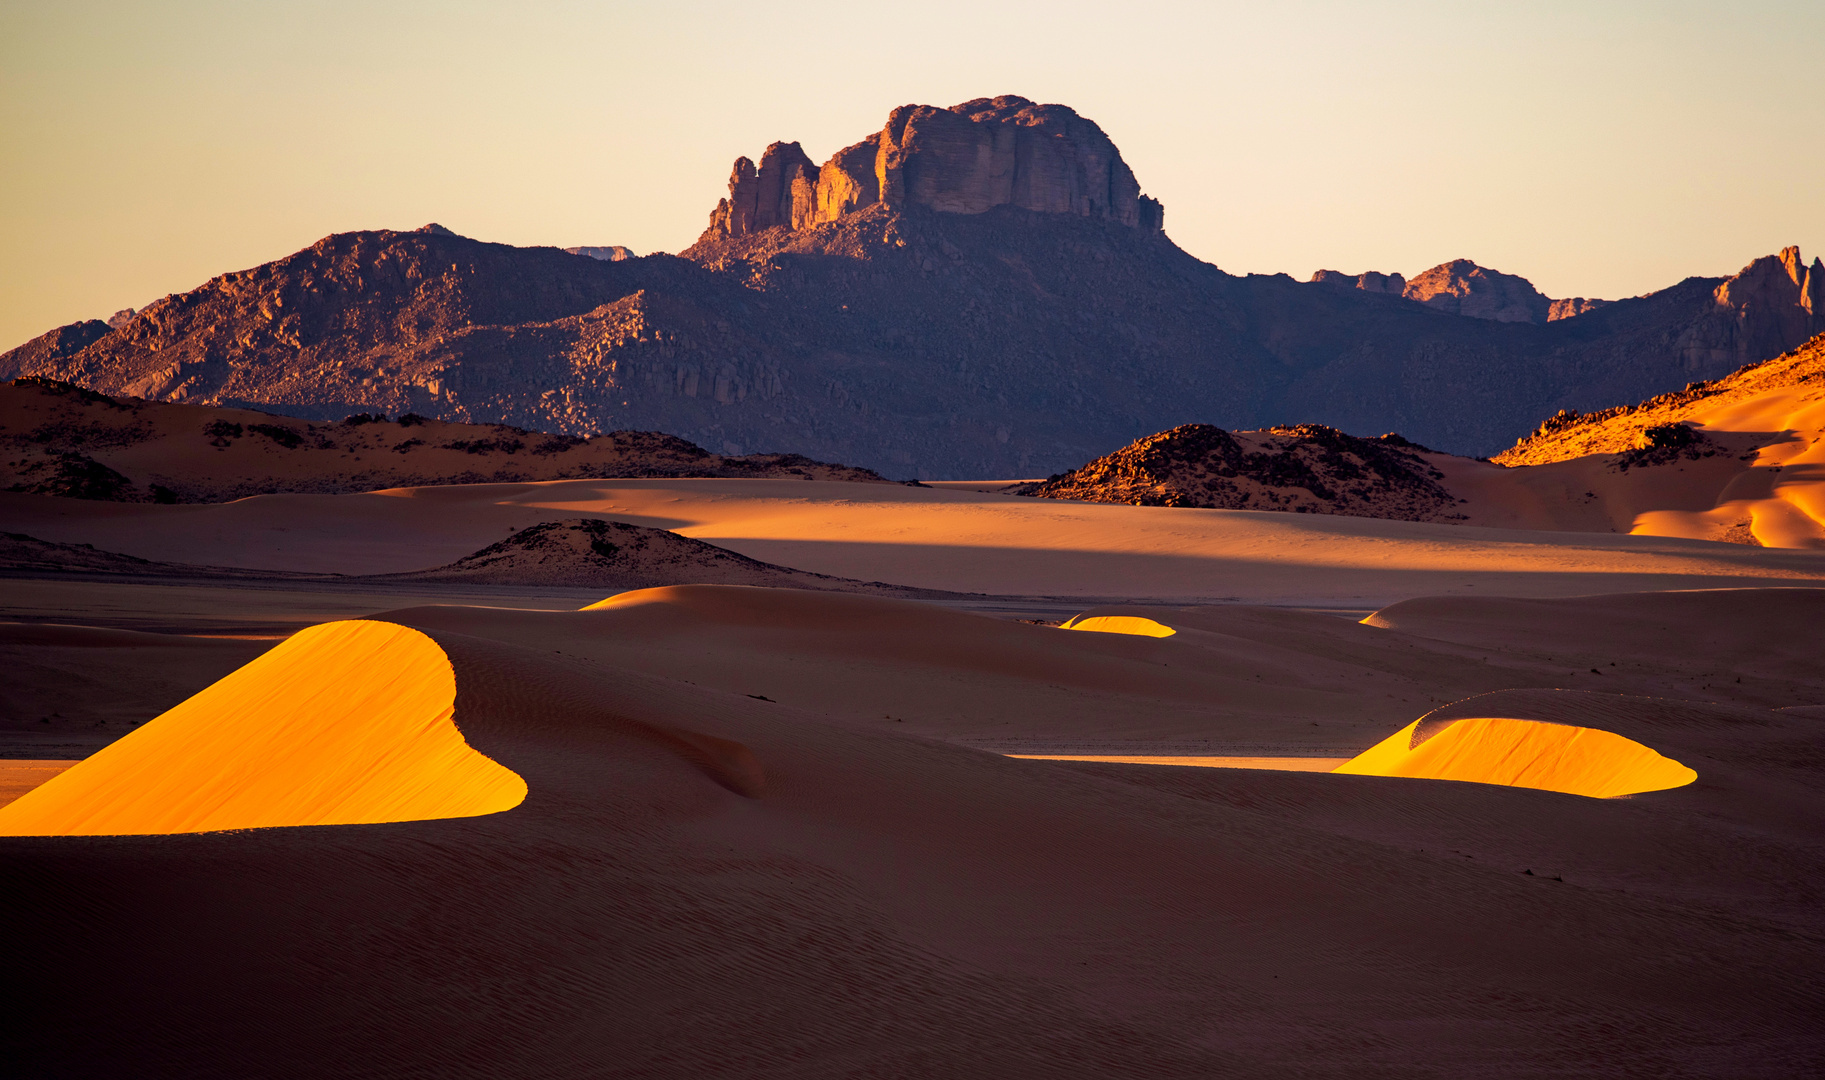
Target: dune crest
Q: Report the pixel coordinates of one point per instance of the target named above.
(1522, 753)
(344, 723)
(1119, 624)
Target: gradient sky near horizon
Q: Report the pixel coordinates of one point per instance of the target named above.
(1599, 149)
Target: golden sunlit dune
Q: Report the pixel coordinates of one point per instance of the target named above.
(344, 723)
(1522, 753)
(1119, 624)
(1271, 764)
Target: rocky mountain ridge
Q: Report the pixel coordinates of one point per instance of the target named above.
(1461, 287)
(1783, 281)
(922, 338)
(64, 440)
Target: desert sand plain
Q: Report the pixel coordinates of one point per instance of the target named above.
(721, 830)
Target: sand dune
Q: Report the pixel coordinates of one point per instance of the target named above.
(345, 723)
(1119, 624)
(927, 538)
(1521, 753)
(728, 862)
(1740, 459)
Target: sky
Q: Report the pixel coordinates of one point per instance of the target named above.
(1600, 149)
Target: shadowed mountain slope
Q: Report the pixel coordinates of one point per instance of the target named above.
(952, 320)
(64, 440)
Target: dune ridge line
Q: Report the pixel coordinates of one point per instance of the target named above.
(344, 723)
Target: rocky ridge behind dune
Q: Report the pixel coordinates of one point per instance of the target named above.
(1649, 425)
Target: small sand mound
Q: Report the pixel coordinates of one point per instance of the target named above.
(1118, 624)
(1522, 753)
(616, 555)
(344, 723)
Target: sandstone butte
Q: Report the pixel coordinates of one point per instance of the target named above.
(967, 159)
(345, 723)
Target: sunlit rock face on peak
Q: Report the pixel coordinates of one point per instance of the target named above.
(967, 159)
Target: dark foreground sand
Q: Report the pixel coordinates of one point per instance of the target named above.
(762, 838)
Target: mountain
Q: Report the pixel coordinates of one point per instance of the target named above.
(974, 291)
(64, 440)
(1461, 287)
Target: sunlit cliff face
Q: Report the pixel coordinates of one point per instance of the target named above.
(345, 723)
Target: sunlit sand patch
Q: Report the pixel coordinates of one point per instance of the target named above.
(344, 723)
(1277, 764)
(1522, 753)
(1119, 624)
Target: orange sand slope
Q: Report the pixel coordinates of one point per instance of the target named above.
(1119, 624)
(344, 723)
(1522, 753)
(1749, 466)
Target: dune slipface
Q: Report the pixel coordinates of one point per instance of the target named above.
(344, 723)
(1522, 753)
(1119, 624)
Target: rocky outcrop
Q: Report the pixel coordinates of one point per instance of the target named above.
(1777, 297)
(1371, 282)
(1464, 288)
(967, 159)
(781, 191)
(1305, 469)
(50, 349)
(1657, 426)
(612, 253)
(1571, 307)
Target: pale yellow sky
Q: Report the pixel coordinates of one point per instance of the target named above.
(1600, 149)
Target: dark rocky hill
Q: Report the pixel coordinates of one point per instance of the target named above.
(975, 291)
(1305, 469)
